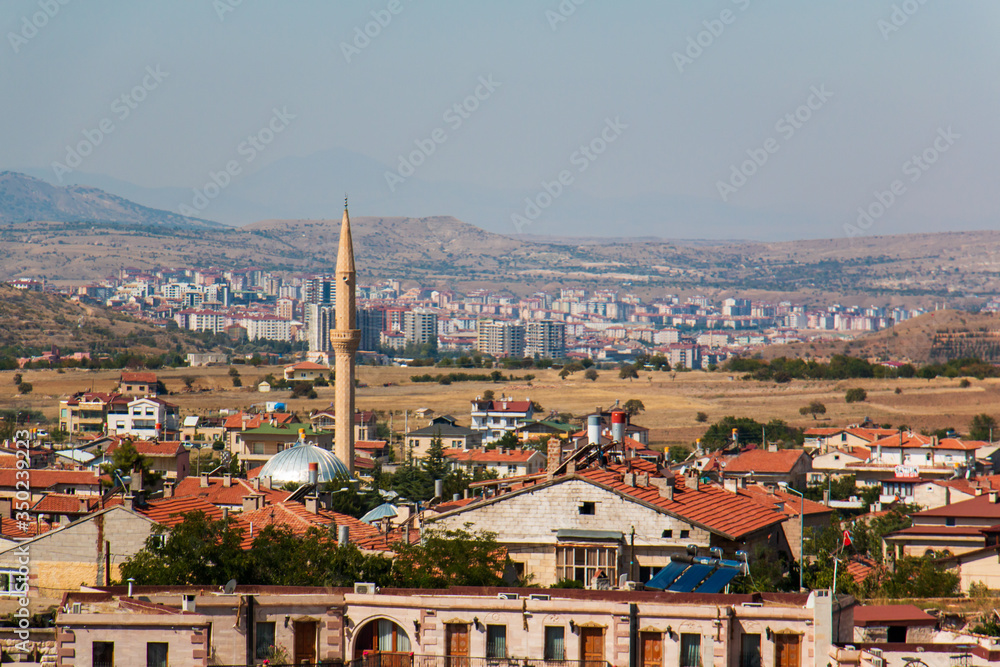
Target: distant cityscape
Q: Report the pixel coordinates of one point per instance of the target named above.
(604, 324)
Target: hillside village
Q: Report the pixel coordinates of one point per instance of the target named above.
(263, 535)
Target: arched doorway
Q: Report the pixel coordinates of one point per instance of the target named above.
(381, 636)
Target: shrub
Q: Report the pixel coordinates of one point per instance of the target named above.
(856, 395)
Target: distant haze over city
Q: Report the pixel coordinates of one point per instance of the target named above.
(733, 119)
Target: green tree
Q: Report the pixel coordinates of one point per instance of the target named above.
(197, 551)
(24, 388)
(126, 460)
(981, 427)
(814, 408)
(856, 395)
(627, 372)
(488, 395)
(590, 374)
(450, 558)
(701, 417)
(435, 465)
(633, 406)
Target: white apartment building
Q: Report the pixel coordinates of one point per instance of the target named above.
(146, 418)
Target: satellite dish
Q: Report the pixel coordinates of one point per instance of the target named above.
(230, 587)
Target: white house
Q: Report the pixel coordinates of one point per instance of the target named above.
(496, 417)
(146, 418)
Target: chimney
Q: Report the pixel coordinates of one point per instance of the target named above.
(343, 536)
(772, 446)
(314, 473)
(618, 425)
(84, 504)
(826, 497)
(252, 502)
(571, 467)
(6, 506)
(979, 490)
(594, 429)
(204, 480)
(267, 482)
(731, 484)
(225, 513)
(642, 479)
(256, 483)
(553, 451)
(665, 485)
(934, 441)
(779, 506)
(628, 479)
(312, 504)
(227, 480)
(438, 488)
(188, 603)
(993, 496)
(456, 496)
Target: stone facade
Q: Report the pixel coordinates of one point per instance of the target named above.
(77, 554)
(341, 622)
(528, 524)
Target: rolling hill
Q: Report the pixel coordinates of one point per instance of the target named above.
(24, 199)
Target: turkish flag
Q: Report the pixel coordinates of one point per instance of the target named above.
(847, 538)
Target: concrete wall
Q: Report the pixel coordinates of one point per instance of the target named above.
(527, 523)
(64, 559)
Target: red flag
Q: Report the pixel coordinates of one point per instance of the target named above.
(847, 539)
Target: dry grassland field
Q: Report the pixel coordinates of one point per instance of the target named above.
(672, 400)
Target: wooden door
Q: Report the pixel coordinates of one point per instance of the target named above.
(305, 642)
(652, 649)
(458, 644)
(786, 651)
(592, 646)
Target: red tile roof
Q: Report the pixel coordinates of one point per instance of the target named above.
(505, 406)
(792, 502)
(860, 568)
(255, 420)
(891, 614)
(46, 479)
(979, 507)
(171, 511)
(217, 493)
(384, 541)
(142, 377)
(167, 448)
(961, 445)
(372, 445)
(491, 456)
(763, 461)
(307, 366)
(298, 519)
(91, 397)
(64, 503)
(710, 506)
(12, 529)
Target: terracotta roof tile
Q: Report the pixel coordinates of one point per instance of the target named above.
(763, 461)
(298, 519)
(149, 378)
(491, 456)
(46, 479)
(171, 511)
(217, 493)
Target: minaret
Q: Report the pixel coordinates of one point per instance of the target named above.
(344, 340)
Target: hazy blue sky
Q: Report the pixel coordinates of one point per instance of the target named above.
(892, 78)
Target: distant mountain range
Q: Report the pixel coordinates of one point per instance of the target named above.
(313, 187)
(24, 198)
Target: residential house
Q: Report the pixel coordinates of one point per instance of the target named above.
(576, 522)
(85, 412)
(494, 418)
(802, 514)
(147, 417)
(255, 446)
(445, 427)
(241, 421)
(202, 429)
(770, 467)
(72, 482)
(225, 492)
(305, 371)
(169, 458)
(365, 423)
(138, 383)
(499, 461)
(190, 625)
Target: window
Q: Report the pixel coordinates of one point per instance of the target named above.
(496, 641)
(555, 642)
(102, 654)
(264, 631)
(12, 583)
(690, 650)
(257, 448)
(685, 534)
(583, 563)
(156, 654)
(588, 507)
(949, 521)
(750, 651)
(511, 470)
(667, 534)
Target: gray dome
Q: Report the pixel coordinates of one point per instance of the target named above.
(292, 465)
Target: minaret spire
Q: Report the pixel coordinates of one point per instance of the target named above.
(344, 339)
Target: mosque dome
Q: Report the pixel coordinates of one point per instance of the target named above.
(292, 465)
